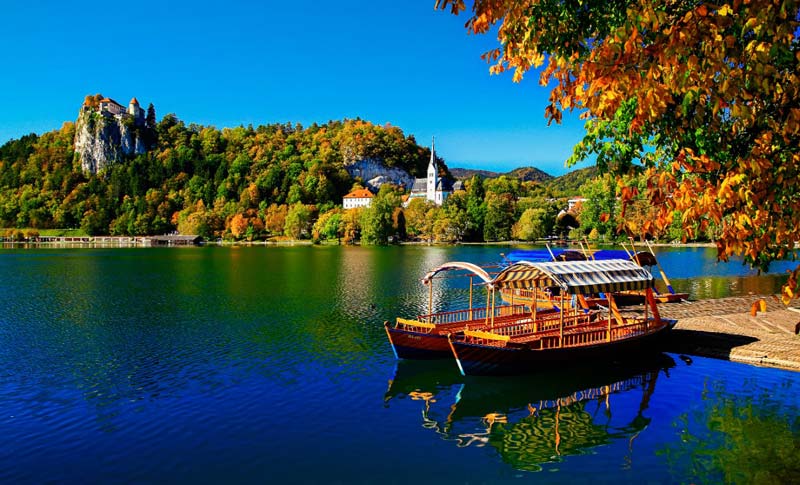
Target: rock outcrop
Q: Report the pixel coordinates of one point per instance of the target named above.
(102, 140)
(374, 174)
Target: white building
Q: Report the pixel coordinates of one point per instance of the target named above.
(575, 201)
(431, 188)
(357, 198)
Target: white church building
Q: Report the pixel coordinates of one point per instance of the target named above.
(432, 188)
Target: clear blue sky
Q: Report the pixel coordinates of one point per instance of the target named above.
(241, 62)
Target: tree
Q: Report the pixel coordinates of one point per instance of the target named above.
(328, 226)
(376, 220)
(599, 211)
(705, 96)
(150, 119)
(298, 221)
(476, 208)
(533, 224)
(499, 217)
(418, 225)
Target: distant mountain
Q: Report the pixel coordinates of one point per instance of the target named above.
(525, 174)
(467, 173)
(530, 174)
(568, 184)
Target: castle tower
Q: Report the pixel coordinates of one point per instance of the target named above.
(433, 174)
(135, 110)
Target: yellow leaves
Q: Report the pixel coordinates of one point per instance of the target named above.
(789, 290)
(725, 10)
(758, 305)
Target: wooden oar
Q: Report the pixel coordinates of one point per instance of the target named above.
(663, 275)
(550, 251)
(588, 250)
(633, 248)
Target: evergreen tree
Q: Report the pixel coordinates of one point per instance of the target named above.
(150, 120)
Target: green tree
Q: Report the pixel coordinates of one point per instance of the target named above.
(499, 217)
(476, 209)
(298, 221)
(376, 220)
(534, 224)
(600, 210)
(329, 226)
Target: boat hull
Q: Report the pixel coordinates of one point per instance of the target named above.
(477, 359)
(418, 345)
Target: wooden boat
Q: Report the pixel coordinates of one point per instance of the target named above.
(426, 336)
(564, 337)
(648, 259)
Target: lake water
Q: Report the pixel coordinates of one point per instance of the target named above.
(226, 365)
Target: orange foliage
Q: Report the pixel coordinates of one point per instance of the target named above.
(714, 88)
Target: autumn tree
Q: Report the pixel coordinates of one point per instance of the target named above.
(705, 96)
(418, 224)
(328, 226)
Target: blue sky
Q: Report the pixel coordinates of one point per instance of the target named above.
(241, 62)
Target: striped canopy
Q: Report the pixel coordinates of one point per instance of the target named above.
(576, 277)
(458, 265)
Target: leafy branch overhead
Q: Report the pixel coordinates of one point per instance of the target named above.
(706, 97)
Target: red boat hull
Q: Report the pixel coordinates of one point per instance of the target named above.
(474, 359)
(419, 345)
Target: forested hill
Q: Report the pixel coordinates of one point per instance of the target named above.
(194, 178)
(524, 174)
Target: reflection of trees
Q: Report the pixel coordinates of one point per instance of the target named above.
(535, 419)
(740, 440)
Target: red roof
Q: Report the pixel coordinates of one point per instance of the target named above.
(359, 194)
(109, 100)
(134, 100)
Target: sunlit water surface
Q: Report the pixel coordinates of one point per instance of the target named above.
(215, 365)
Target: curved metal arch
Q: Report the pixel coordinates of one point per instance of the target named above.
(458, 265)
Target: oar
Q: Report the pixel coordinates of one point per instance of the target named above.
(663, 275)
(626, 250)
(550, 251)
(588, 249)
(633, 248)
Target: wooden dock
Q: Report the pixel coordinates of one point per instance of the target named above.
(108, 241)
(724, 328)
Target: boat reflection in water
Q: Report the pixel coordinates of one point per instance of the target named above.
(536, 419)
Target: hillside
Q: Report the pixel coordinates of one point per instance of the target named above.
(568, 185)
(192, 178)
(525, 174)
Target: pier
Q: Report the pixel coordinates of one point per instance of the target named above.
(107, 241)
(724, 328)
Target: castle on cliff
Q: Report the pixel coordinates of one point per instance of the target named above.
(110, 108)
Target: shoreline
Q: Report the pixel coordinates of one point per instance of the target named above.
(147, 241)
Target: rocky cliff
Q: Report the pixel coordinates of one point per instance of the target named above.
(102, 140)
(374, 173)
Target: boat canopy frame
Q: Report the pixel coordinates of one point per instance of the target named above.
(576, 277)
(472, 268)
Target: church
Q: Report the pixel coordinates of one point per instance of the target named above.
(432, 188)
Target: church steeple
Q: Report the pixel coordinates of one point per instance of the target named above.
(433, 174)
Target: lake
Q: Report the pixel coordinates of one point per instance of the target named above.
(253, 364)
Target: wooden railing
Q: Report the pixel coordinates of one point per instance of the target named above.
(545, 333)
(473, 314)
